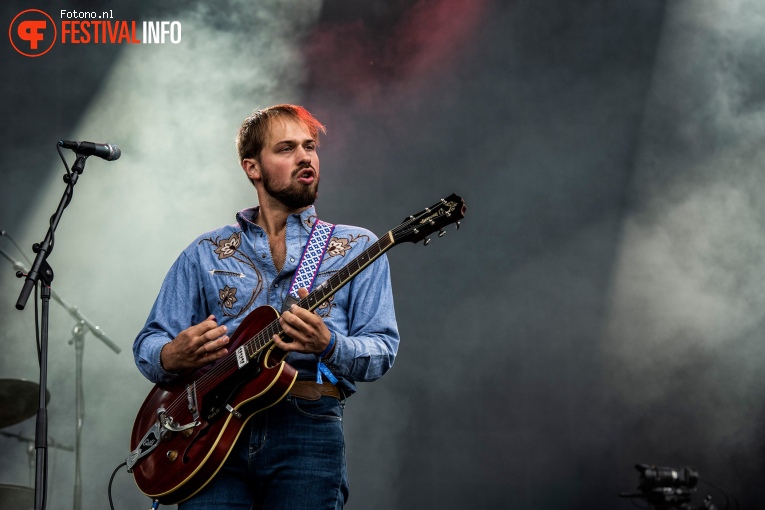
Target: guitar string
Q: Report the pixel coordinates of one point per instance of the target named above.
(264, 337)
(227, 363)
(206, 380)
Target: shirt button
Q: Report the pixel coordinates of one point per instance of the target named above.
(263, 256)
(292, 259)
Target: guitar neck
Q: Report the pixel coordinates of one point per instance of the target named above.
(325, 291)
(414, 229)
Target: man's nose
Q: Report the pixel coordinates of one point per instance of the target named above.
(303, 155)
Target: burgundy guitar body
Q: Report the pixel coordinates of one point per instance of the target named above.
(184, 431)
(185, 461)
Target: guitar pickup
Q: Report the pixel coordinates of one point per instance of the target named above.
(241, 357)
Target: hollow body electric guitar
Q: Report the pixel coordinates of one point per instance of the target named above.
(186, 429)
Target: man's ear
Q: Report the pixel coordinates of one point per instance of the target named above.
(251, 167)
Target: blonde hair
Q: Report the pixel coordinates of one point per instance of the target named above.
(252, 134)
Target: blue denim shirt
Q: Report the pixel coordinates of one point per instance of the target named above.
(229, 272)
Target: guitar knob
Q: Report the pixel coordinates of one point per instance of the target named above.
(172, 455)
(458, 225)
(441, 233)
(427, 242)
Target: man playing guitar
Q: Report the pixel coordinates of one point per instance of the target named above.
(291, 454)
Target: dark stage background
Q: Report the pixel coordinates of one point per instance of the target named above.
(602, 305)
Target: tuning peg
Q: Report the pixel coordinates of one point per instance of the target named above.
(427, 242)
(441, 233)
(458, 225)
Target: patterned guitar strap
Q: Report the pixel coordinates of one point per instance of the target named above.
(305, 275)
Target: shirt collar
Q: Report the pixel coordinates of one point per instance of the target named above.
(246, 218)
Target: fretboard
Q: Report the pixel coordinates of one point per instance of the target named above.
(323, 292)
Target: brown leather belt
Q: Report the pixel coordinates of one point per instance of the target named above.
(310, 390)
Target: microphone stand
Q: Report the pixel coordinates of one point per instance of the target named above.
(78, 340)
(41, 271)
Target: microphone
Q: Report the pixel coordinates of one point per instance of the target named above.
(106, 151)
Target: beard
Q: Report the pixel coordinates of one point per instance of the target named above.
(295, 195)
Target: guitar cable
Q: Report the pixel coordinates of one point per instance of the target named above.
(154, 504)
(109, 490)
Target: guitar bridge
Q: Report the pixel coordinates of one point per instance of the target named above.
(191, 396)
(169, 424)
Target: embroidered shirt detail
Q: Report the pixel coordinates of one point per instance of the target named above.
(324, 310)
(227, 297)
(228, 247)
(309, 221)
(340, 245)
(221, 272)
(192, 291)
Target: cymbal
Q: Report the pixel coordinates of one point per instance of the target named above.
(16, 497)
(18, 401)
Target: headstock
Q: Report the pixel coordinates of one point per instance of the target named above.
(434, 218)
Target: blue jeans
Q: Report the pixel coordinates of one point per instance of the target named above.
(288, 457)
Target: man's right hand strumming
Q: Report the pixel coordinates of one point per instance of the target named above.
(195, 347)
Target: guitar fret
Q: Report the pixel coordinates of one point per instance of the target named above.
(331, 285)
(414, 229)
(322, 292)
